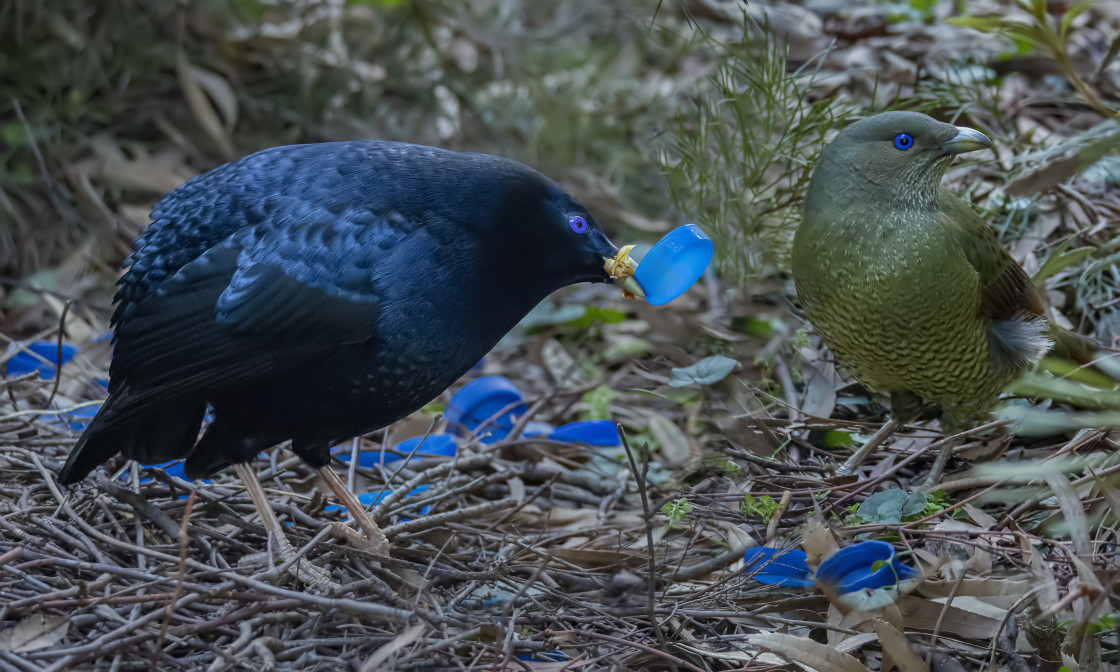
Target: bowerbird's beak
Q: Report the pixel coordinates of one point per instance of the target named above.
(966, 140)
(621, 269)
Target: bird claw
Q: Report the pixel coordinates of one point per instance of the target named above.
(343, 532)
(280, 556)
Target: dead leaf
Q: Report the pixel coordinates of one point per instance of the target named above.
(818, 542)
(675, 449)
(899, 649)
(587, 558)
(205, 90)
(979, 517)
(820, 389)
(805, 651)
(921, 614)
(561, 366)
(34, 632)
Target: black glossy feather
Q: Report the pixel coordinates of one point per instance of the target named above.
(316, 292)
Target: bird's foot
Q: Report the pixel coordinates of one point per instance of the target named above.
(938, 468)
(281, 553)
(373, 539)
(344, 532)
(286, 558)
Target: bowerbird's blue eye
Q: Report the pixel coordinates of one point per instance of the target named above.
(903, 141)
(578, 224)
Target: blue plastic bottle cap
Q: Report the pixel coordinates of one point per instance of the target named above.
(854, 567)
(674, 264)
(774, 566)
(435, 445)
(482, 399)
(592, 432)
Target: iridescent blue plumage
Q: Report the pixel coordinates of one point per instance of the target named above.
(317, 292)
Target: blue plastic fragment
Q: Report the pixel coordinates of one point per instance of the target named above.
(555, 655)
(534, 428)
(674, 264)
(31, 357)
(592, 432)
(369, 499)
(435, 445)
(480, 400)
(778, 566)
(79, 418)
(483, 398)
(863, 565)
(854, 568)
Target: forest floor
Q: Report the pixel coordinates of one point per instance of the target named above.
(536, 552)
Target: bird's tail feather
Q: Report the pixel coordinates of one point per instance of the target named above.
(164, 432)
(1073, 346)
(1019, 342)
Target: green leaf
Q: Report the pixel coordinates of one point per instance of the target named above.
(889, 507)
(592, 315)
(985, 24)
(13, 135)
(598, 401)
(834, 438)
(705, 372)
(1061, 260)
(677, 511)
(764, 507)
(1071, 14)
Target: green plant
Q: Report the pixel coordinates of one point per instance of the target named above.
(1041, 31)
(739, 153)
(598, 403)
(677, 511)
(764, 507)
(936, 502)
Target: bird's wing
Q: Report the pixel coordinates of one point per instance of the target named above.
(1006, 291)
(263, 301)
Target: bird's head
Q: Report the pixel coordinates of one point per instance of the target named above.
(901, 156)
(564, 244)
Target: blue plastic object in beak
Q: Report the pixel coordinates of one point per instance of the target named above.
(674, 264)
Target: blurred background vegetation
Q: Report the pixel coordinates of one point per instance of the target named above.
(652, 112)
(107, 105)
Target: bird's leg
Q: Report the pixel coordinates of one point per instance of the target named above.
(877, 439)
(278, 541)
(375, 538)
(938, 468)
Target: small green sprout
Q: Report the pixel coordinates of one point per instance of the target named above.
(677, 511)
